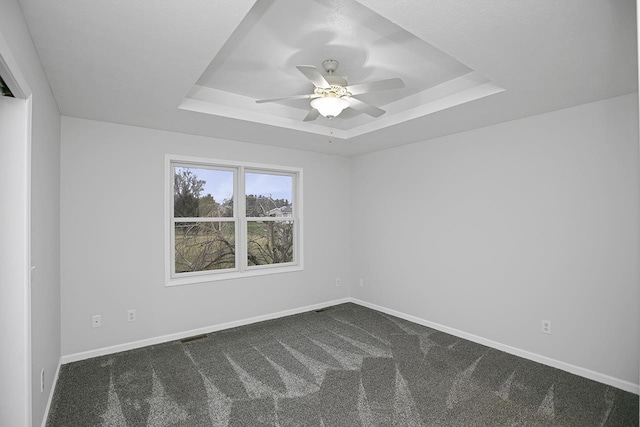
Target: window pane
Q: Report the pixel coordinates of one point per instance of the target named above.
(203, 246)
(269, 195)
(201, 192)
(269, 242)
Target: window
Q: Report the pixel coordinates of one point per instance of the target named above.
(228, 220)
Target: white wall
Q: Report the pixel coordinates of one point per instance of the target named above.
(14, 268)
(45, 225)
(492, 230)
(112, 254)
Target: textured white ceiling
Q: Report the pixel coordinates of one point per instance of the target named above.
(135, 61)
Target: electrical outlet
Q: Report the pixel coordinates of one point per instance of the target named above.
(96, 321)
(361, 283)
(131, 315)
(337, 282)
(546, 327)
(42, 380)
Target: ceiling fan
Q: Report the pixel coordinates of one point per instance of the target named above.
(332, 94)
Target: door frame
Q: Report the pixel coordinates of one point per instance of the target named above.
(17, 83)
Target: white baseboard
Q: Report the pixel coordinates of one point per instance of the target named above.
(51, 393)
(577, 370)
(207, 329)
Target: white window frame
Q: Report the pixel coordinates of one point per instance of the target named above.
(242, 269)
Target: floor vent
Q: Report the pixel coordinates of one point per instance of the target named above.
(193, 338)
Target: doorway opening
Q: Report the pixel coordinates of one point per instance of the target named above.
(4, 89)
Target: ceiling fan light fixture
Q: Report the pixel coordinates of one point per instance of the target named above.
(329, 106)
(332, 94)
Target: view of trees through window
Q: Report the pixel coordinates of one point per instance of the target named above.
(205, 222)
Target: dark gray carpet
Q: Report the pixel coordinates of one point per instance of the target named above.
(344, 366)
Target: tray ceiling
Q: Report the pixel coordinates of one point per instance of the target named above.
(197, 66)
(259, 62)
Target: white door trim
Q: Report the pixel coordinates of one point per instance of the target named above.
(15, 80)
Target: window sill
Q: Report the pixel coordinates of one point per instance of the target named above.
(215, 277)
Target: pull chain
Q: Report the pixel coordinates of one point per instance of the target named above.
(330, 136)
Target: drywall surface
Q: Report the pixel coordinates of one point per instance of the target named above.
(14, 273)
(112, 252)
(493, 230)
(45, 251)
(45, 218)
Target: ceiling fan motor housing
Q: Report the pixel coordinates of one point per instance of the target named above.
(330, 65)
(336, 80)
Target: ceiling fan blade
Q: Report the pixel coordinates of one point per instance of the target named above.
(387, 84)
(313, 114)
(314, 76)
(284, 98)
(363, 107)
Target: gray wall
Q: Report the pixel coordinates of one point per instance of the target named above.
(14, 263)
(45, 207)
(487, 232)
(492, 230)
(112, 220)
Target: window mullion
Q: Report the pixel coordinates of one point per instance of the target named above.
(241, 242)
(203, 219)
(270, 218)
